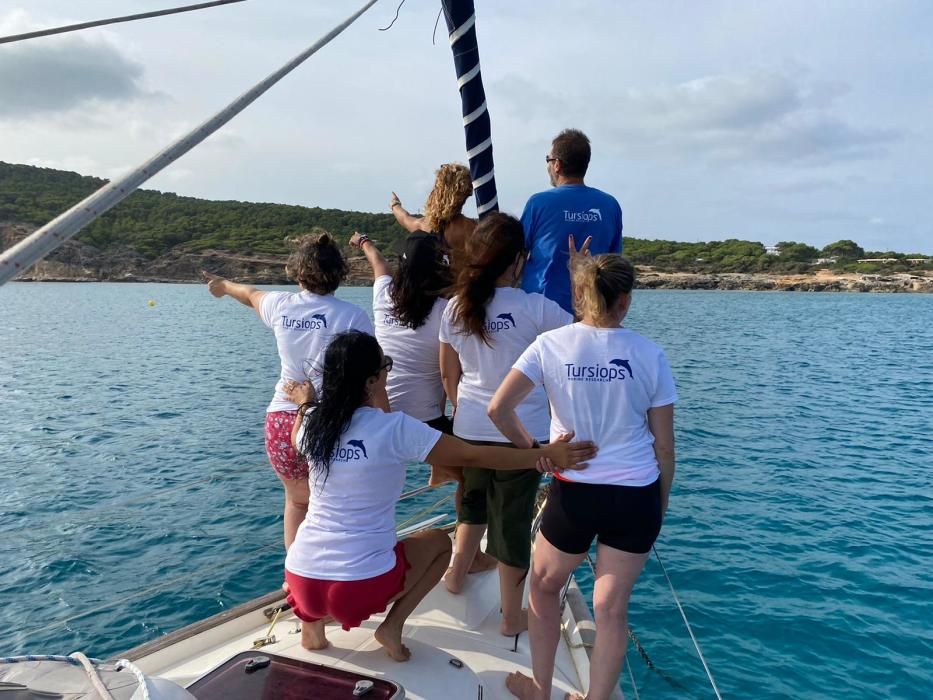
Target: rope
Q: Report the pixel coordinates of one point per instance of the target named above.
(436, 22)
(42, 242)
(79, 659)
(421, 513)
(637, 643)
(397, 10)
(687, 623)
(112, 20)
(186, 577)
(44, 657)
(108, 508)
(631, 676)
(140, 678)
(227, 563)
(93, 676)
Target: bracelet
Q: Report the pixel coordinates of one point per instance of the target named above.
(363, 239)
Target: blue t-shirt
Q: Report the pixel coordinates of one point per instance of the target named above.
(549, 218)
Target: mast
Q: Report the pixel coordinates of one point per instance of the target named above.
(461, 26)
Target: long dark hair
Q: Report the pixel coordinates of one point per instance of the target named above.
(492, 248)
(351, 358)
(420, 279)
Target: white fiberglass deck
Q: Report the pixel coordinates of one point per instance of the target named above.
(444, 626)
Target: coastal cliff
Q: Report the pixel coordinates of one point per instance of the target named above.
(76, 261)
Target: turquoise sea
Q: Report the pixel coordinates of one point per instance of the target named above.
(135, 496)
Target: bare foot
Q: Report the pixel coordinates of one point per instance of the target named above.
(313, 637)
(391, 640)
(483, 562)
(574, 696)
(453, 583)
(512, 627)
(520, 685)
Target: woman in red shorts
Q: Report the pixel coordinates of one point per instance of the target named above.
(346, 562)
(303, 323)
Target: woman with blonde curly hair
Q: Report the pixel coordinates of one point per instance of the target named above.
(303, 323)
(442, 212)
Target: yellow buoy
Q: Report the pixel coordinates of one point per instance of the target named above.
(152, 302)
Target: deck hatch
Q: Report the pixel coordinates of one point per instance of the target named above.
(242, 678)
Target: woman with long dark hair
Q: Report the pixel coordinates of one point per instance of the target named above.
(407, 309)
(303, 323)
(346, 562)
(613, 386)
(486, 327)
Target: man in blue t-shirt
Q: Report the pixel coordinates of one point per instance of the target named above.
(569, 208)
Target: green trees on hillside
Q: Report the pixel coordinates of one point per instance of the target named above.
(843, 250)
(797, 252)
(154, 223)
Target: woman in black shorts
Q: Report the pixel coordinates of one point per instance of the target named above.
(613, 386)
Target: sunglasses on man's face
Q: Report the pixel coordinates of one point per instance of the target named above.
(550, 159)
(386, 364)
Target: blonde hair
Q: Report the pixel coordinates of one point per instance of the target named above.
(599, 282)
(452, 186)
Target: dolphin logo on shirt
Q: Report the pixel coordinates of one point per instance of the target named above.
(624, 364)
(597, 212)
(507, 317)
(320, 317)
(358, 443)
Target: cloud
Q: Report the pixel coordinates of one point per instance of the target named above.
(49, 76)
(762, 117)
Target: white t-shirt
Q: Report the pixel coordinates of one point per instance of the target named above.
(600, 383)
(514, 318)
(349, 531)
(414, 384)
(304, 324)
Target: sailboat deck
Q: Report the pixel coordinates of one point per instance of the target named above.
(444, 627)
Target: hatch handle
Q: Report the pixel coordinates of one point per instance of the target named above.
(361, 688)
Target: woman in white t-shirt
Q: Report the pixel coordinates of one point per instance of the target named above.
(407, 310)
(346, 562)
(303, 323)
(485, 327)
(613, 386)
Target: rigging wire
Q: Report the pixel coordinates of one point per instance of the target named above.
(42, 242)
(199, 573)
(397, 10)
(687, 623)
(113, 20)
(110, 508)
(436, 22)
(225, 564)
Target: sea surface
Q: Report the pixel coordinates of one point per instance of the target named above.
(135, 496)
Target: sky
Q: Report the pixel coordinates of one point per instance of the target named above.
(777, 121)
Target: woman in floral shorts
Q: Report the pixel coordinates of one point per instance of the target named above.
(303, 323)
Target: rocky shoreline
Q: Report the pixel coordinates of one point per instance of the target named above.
(79, 262)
